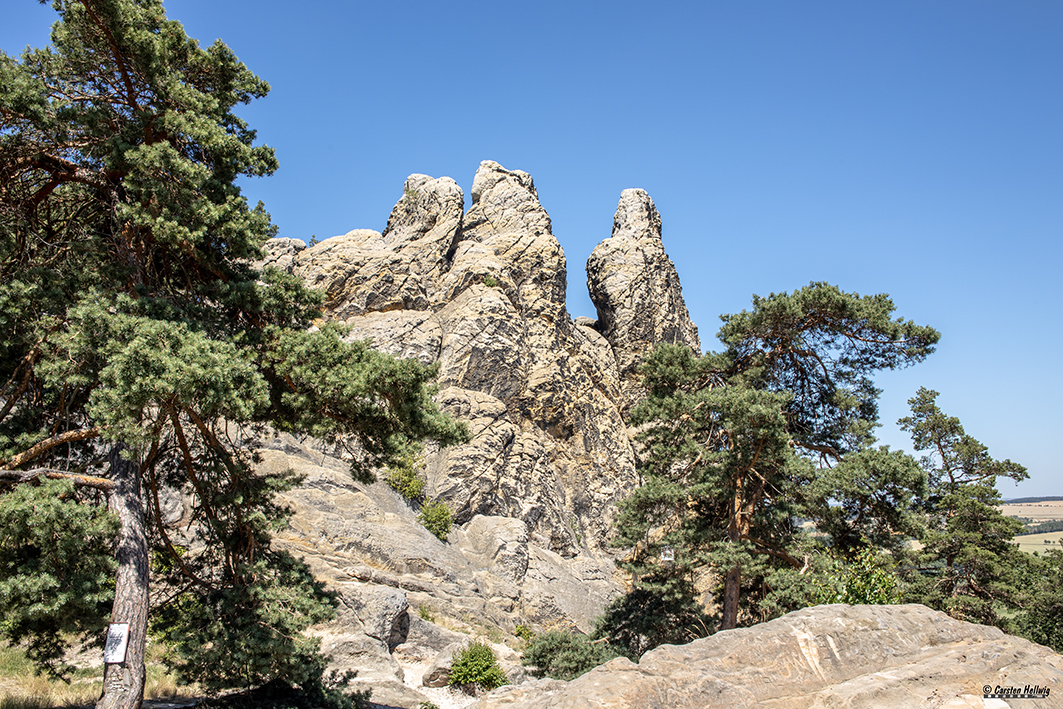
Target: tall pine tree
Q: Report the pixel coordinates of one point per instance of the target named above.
(740, 447)
(135, 334)
(969, 565)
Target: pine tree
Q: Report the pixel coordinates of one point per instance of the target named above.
(136, 337)
(740, 447)
(970, 566)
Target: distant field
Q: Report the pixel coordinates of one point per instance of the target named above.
(1038, 511)
(1030, 543)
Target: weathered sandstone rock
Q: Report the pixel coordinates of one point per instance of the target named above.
(438, 673)
(859, 657)
(482, 295)
(635, 288)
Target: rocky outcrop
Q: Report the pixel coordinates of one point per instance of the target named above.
(366, 543)
(483, 295)
(635, 288)
(829, 656)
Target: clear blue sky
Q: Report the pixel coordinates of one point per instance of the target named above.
(912, 148)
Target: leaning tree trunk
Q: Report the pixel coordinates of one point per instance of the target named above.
(123, 682)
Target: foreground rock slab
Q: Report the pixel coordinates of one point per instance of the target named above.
(856, 657)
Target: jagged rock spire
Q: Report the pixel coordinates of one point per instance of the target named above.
(635, 288)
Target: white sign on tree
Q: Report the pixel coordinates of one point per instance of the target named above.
(117, 638)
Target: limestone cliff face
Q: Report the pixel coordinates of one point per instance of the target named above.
(483, 294)
(635, 288)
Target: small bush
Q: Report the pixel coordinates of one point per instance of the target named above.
(490, 282)
(281, 695)
(406, 479)
(565, 656)
(436, 518)
(866, 580)
(523, 631)
(476, 666)
(426, 614)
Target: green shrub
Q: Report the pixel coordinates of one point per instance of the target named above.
(490, 282)
(281, 695)
(653, 614)
(476, 666)
(406, 479)
(523, 631)
(866, 580)
(563, 655)
(436, 518)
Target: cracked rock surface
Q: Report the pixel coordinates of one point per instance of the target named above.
(483, 294)
(858, 657)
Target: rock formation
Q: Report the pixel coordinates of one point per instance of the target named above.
(481, 293)
(828, 656)
(635, 288)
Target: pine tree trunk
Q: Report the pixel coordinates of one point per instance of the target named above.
(123, 683)
(730, 598)
(733, 583)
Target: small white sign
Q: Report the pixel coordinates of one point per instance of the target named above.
(117, 639)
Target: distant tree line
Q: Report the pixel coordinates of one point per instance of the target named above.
(1054, 525)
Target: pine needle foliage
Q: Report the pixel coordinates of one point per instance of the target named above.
(133, 319)
(969, 565)
(740, 447)
(563, 655)
(48, 584)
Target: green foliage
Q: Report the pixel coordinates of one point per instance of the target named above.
(131, 317)
(426, 613)
(427, 705)
(405, 477)
(436, 518)
(490, 281)
(56, 570)
(278, 694)
(1055, 525)
(740, 447)
(563, 655)
(969, 566)
(1042, 617)
(247, 634)
(476, 665)
(524, 632)
(875, 500)
(661, 609)
(867, 579)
